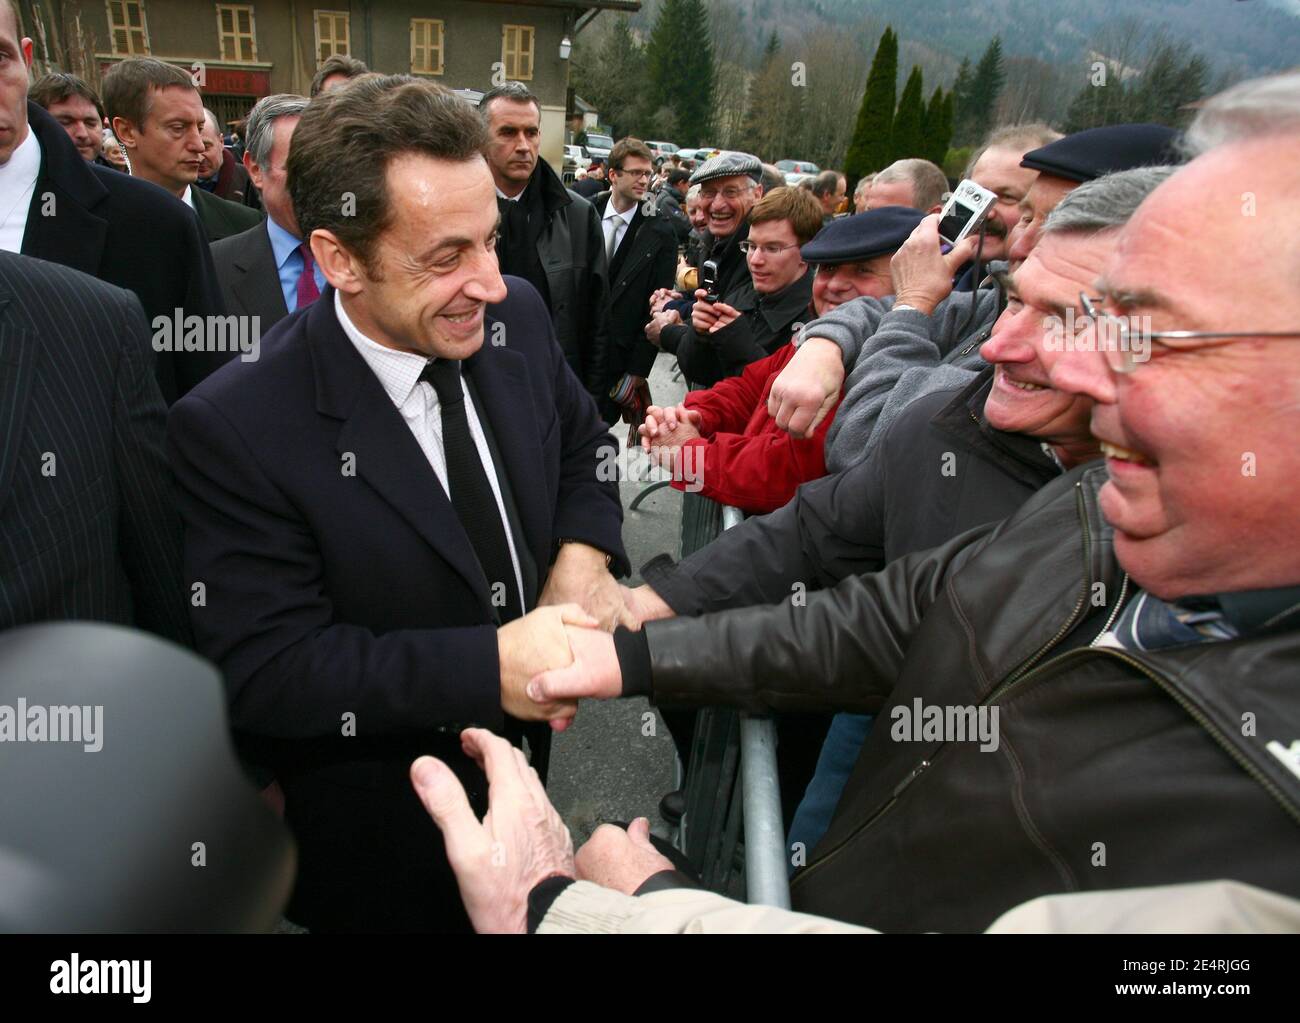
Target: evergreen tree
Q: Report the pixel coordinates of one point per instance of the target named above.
(934, 135)
(772, 48)
(767, 104)
(1173, 77)
(679, 60)
(961, 93)
(949, 123)
(869, 149)
(613, 77)
(986, 86)
(908, 136)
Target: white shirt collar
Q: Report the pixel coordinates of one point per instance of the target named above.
(611, 212)
(24, 164)
(188, 198)
(510, 198)
(399, 372)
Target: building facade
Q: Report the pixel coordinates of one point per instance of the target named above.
(240, 52)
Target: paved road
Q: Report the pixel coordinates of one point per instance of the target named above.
(617, 759)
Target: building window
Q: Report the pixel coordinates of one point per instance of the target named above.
(127, 28)
(235, 30)
(426, 46)
(331, 35)
(517, 52)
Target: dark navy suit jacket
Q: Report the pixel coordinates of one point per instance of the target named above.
(342, 593)
(88, 524)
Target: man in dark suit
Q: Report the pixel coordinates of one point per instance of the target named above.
(88, 526)
(642, 253)
(549, 235)
(97, 220)
(158, 116)
(263, 270)
(370, 525)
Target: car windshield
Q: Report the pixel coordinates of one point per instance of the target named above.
(600, 141)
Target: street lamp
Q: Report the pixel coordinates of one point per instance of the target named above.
(566, 47)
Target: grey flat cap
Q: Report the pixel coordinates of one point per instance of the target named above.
(728, 165)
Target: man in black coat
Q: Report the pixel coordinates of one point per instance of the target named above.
(642, 258)
(88, 526)
(549, 235)
(99, 221)
(371, 524)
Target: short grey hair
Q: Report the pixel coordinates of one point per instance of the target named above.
(513, 92)
(692, 193)
(1105, 202)
(259, 129)
(929, 184)
(1250, 109)
(1023, 137)
(212, 121)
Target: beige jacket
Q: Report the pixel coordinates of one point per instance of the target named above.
(1209, 907)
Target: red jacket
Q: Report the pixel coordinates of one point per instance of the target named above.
(742, 457)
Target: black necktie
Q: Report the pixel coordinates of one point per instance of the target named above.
(471, 494)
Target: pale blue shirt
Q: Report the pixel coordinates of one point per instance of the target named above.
(288, 262)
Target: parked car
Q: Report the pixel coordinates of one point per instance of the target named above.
(658, 150)
(598, 146)
(575, 158)
(797, 170)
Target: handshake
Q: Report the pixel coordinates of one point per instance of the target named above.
(563, 650)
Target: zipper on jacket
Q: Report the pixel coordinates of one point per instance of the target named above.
(1011, 679)
(1123, 589)
(984, 334)
(880, 811)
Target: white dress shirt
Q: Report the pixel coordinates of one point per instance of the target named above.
(17, 183)
(188, 198)
(399, 373)
(615, 225)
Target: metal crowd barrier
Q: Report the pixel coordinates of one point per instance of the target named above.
(732, 781)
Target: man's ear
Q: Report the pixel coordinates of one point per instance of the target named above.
(254, 171)
(125, 132)
(25, 45)
(340, 267)
(936, 208)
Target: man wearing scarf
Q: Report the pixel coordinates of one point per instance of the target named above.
(549, 235)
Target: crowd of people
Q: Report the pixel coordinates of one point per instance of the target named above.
(1019, 580)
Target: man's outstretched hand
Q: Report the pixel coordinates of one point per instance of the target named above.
(520, 842)
(531, 644)
(594, 673)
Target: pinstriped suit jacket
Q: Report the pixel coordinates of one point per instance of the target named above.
(88, 523)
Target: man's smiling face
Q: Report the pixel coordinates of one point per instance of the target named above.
(435, 266)
(1023, 345)
(1201, 444)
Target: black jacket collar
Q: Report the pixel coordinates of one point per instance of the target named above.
(963, 419)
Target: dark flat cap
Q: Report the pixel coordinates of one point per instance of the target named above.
(1089, 154)
(863, 235)
(728, 165)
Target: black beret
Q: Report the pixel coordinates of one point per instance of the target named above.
(1089, 154)
(863, 235)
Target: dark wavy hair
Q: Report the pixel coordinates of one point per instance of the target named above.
(338, 163)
